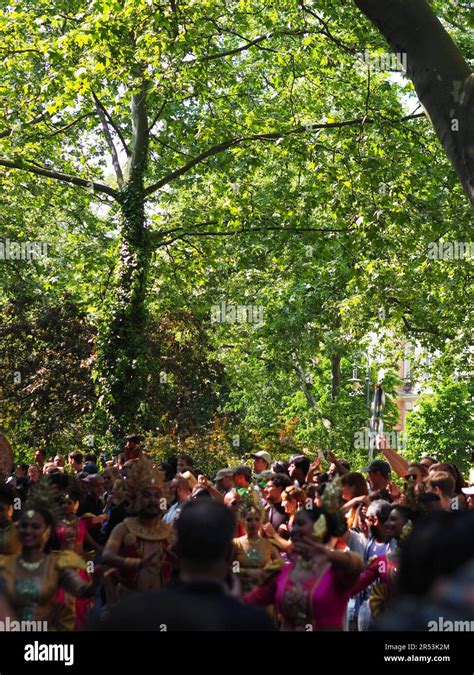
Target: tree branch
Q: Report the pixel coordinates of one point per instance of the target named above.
(110, 142)
(35, 120)
(65, 178)
(112, 124)
(270, 136)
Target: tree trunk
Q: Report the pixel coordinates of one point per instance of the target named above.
(335, 376)
(441, 76)
(122, 355)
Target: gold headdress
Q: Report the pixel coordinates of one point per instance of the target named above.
(143, 474)
(330, 502)
(43, 498)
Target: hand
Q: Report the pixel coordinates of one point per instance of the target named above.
(315, 465)
(269, 529)
(331, 457)
(203, 481)
(307, 547)
(380, 442)
(148, 561)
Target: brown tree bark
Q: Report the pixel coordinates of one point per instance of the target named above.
(442, 78)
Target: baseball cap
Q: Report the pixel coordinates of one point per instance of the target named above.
(468, 490)
(222, 473)
(380, 466)
(263, 455)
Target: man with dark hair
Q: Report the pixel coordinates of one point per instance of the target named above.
(276, 514)
(185, 463)
(133, 448)
(298, 469)
(200, 600)
(76, 460)
(379, 478)
(242, 476)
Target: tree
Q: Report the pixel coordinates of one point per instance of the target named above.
(442, 77)
(441, 425)
(180, 97)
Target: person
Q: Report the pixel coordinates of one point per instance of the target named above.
(76, 460)
(72, 533)
(40, 459)
(9, 541)
(224, 480)
(292, 499)
(184, 463)
(312, 593)
(233, 500)
(200, 599)
(298, 469)
(469, 494)
(337, 466)
(441, 543)
(242, 478)
(458, 500)
(139, 546)
(428, 461)
(354, 490)
(375, 546)
(442, 484)
(252, 552)
(21, 471)
(275, 513)
(261, 464)
(382, 569)
(416, 473)
(58, 461)
(182, 493)
(379, 478)
(92, 506)
(133, 449)
(33, 577)
(34, 474)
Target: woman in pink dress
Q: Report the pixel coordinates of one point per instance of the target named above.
(312, 593)
(72, 533)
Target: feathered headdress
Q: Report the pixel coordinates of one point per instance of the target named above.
(330, 502)
(43, 498)
(143, 474)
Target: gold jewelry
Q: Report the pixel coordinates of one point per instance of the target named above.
(31, 567)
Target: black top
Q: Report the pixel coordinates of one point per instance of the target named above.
(185, 606)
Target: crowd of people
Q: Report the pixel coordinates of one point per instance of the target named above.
(298, 545)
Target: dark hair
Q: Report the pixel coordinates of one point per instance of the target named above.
(205, 529)
(6, 495)
(77, 456)
(23, 466)
(281, 480)
(133, 438)
(336, 522)
(440, 544)
(280, 466)
(72, 494)
(245, 471)
(168, 471)
(357, 480)
(90, 457)
(405, 511)
(187, 458)
(344, 463)
(302, 462)
(421, 468)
